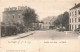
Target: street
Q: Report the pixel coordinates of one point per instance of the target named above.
(44, 35)
(27, 40)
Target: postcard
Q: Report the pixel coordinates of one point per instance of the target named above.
(40, 26)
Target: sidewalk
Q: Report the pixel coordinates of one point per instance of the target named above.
(69, 31)
(19, 35)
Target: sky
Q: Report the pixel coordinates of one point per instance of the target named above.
(43, 8)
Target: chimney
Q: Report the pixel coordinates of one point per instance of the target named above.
(75, 4)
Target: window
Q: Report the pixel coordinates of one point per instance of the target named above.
(75, 19)
(13, 17)
(70, 13)
(72, 26)
(72, 19)
(49, 22)
(75, 13)
(79, 12)
(79, 19)
(19, 16)
(79, 26)
(46, 22)
(75, 26)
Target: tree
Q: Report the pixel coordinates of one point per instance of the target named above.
(29, 17)
(59, 20)
(66, 20)
(63, 19)
(56, 22)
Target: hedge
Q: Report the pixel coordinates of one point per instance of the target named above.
(8, 30)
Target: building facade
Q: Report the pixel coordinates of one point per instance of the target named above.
(74, 17)
(38, 25)
(48, 22)
(13, 15)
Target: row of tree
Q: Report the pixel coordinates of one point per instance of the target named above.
(31, 17)
(62, 20)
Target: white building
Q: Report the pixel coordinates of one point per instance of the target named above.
(48, 22)
(74, 17)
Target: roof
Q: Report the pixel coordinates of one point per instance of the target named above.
(52, 18)
(47, 19)
(76, 6)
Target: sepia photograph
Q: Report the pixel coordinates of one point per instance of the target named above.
(47, 21)
(29, 21)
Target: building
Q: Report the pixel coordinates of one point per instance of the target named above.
(74, 17)
(40, 25)
(48, 22)
(37, 25)
(13, 15)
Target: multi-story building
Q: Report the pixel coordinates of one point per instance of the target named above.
(13, 15)
(48, 22)
(74, 17)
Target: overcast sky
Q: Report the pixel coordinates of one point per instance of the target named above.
(43, 8)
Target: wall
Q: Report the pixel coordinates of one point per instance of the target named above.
(74, 19)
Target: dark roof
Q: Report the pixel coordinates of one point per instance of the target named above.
(76, 6)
